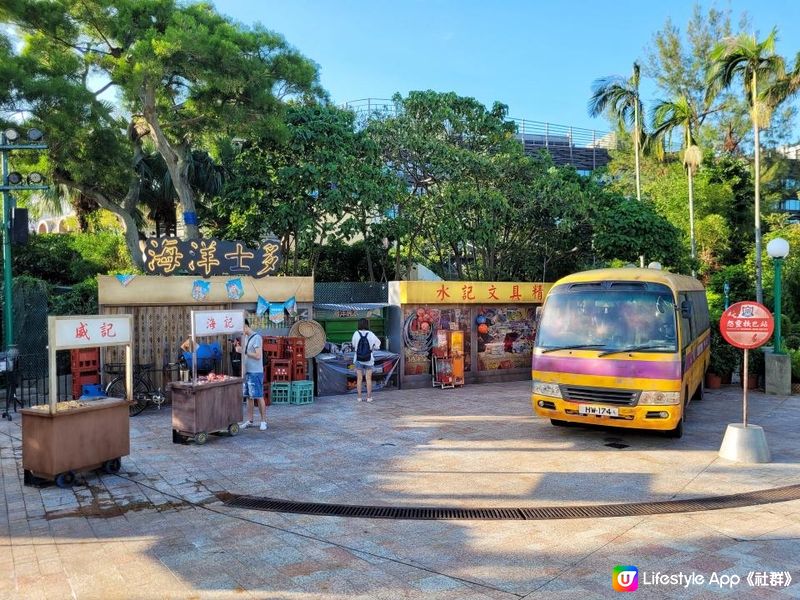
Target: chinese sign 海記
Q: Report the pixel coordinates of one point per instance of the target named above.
(207, 257)
(217, 322)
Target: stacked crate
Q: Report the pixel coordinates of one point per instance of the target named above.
(85, 367)
(296, 352)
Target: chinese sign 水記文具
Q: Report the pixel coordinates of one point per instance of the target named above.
(207, 257)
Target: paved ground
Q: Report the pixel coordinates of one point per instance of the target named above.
(160, 530)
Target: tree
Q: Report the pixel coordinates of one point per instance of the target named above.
(757, 64)
(681, 114)
(678, 60)
(183, 72)
(619, 98)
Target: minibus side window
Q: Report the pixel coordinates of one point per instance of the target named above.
(687, 334)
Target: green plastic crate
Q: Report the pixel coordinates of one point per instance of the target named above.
(302, 392)
(281, 392)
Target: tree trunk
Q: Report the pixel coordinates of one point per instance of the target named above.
(370, 269)
(692, 242)
(177, 161)
(757, 181)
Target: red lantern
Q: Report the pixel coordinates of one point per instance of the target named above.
(483, 328)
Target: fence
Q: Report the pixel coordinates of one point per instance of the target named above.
(585, 149)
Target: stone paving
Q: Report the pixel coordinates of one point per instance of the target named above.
(160, 529)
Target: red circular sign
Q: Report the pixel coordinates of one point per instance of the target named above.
(746, 325)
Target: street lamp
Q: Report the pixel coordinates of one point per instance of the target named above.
(11, 181)
(778, 249)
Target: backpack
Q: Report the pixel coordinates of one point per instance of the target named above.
(363, 350)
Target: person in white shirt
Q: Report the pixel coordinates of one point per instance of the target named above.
(364, 342)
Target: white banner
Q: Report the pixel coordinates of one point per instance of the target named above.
(217, 322)
(90, 331)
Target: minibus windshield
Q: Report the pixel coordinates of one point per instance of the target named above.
(609, 321)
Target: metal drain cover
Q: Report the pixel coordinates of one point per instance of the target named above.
(781, 494)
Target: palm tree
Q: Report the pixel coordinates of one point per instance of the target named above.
(680, 114)
(784, 87)
(619, 98)
(756, 62)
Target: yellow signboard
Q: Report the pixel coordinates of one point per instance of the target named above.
(467, 292)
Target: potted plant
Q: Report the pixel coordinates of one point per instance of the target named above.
(722, 361)
(795, 357)
(755, 368)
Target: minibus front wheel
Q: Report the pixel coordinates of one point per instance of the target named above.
(676, 433)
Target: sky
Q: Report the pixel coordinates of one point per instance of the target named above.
(538, 57)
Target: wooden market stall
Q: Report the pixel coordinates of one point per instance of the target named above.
(205, 405)
(497, 319)
(62, 438)
(162, 305)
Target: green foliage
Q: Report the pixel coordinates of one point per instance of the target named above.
(742, 287)
(724, 358)
(79, 299)
(794, 355)
(69, 258)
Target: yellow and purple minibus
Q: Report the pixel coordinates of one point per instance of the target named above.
(621, 347)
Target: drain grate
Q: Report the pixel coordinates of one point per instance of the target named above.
(781, 494)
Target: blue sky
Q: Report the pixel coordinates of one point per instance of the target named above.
(538, 57)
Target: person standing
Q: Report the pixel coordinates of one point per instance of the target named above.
(253, 374)
(364, 342)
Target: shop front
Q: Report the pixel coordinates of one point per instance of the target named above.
(497, 321)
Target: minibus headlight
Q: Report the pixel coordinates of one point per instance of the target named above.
(544, 388)
(660, 398)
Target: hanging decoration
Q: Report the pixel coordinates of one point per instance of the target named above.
(125, 278)
(200, 289)
(234, 288)
(262, 306)
(291, 306)
(276, 312)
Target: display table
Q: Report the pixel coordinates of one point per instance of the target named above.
(336, 373)
(80, 436)
(205, 407)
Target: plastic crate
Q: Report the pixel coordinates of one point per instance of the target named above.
(296, 348)
(92, 390)
(84, 359)
(281, 370)
(302, 392)
(299, 371)
(280, 392)
(79, 381)
(274, 346)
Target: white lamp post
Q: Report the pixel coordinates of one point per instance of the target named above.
(778, 249)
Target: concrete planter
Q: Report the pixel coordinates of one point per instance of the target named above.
(77, 439)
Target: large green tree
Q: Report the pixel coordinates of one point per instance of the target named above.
(756, 64)
(183, 76)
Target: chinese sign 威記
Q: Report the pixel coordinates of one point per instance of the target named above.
(207, 257)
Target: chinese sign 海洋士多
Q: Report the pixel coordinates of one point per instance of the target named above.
(207, 257)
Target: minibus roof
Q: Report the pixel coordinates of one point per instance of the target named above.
(676, 282)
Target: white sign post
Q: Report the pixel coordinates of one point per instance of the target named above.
(88, 331)
(213, 322)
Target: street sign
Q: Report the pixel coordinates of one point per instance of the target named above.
(746, 325)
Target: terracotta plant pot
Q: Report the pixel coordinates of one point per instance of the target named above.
(726, 378)
(713, 381)
(752, 382)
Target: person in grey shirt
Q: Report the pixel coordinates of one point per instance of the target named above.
(253, 374)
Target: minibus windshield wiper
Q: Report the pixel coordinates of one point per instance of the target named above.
(634, 349)
(573, 347)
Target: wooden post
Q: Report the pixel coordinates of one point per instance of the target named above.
(51, 356)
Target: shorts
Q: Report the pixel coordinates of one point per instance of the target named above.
(364, 366)
(253, 385)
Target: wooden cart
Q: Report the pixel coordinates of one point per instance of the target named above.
(56, 446)
(60, 439)
(207, 407)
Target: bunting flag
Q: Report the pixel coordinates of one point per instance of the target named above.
(291, 306)
(125, 279)
(276, 312)
(262, 306)
(200, 289)
(234, 288)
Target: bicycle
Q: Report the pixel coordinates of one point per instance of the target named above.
(144, 390)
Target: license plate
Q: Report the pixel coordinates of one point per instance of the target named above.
(603, 411)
